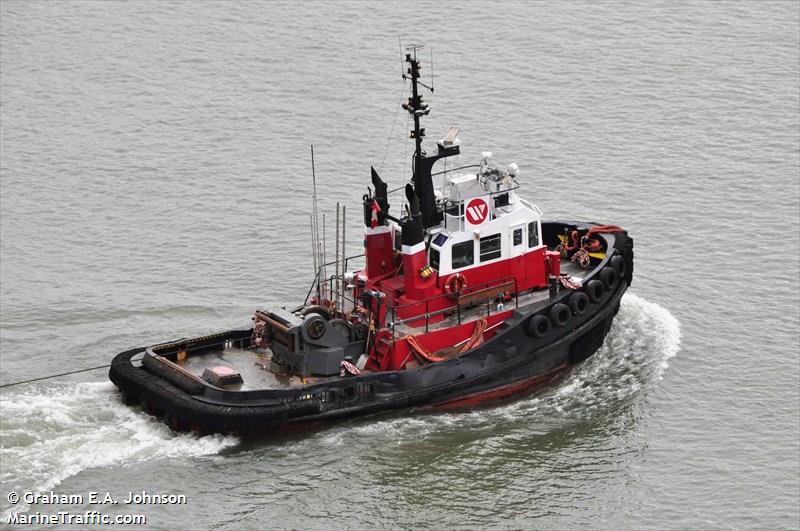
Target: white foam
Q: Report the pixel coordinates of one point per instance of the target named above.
(633, 358)
(50, 434)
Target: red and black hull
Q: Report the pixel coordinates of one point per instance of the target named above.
(517, 359)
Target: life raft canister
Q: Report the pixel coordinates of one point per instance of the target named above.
(455, 285)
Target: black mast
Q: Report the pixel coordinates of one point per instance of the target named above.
(415, 105)
(423, 184)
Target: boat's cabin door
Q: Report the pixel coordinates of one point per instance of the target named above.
(516, 239)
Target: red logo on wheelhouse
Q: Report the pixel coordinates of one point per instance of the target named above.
(477, 211)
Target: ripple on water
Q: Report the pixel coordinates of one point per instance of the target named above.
(48, 434)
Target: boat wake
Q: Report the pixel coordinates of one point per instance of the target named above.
(633, 358)
(50, 434)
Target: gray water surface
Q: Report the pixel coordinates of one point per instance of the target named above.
(155, 183)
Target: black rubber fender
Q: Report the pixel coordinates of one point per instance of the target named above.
(127, 398)
(179, 380)
(309, 407)
(538, 326)
(610, 278)
(578, 302)
(618, 263)
(594, 290)
(560, 314)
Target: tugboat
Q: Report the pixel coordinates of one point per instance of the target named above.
(466, 296)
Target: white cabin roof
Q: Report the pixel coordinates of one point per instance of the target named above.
(482, 206)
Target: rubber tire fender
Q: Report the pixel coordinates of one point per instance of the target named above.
(618, 263)
(610, 278)
(578, 302)
(560, 314)
(538, 326)
(594, 290)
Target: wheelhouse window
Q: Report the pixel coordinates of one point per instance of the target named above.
(433, 258)
(533, 234)
(517, 237)
(490, 247)
(463, 254)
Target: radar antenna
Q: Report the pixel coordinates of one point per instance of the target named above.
(417, 108)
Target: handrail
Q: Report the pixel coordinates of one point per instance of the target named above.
(531, 206)
(319, 272)
(311, 287)
(348, 258)
(457, 203)
(468, 290)
(446, 170)
(428, 314)
(456, 169)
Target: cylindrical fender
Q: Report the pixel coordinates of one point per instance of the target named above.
(609, 277)
(578, 302)
(594, 289)
(560, 314)
(538, 326)
(618, 263)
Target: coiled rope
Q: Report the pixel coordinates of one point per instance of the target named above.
(474, 340)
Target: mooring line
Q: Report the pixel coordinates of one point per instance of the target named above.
(56, 375)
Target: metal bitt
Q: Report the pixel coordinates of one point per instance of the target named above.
(553, 286)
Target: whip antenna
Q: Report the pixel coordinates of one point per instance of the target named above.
(316, 252)
(402, 68)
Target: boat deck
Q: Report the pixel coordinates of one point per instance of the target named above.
(252, 364)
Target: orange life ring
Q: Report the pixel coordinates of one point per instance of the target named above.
(455, 284)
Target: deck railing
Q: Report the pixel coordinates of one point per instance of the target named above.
(480, 294)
